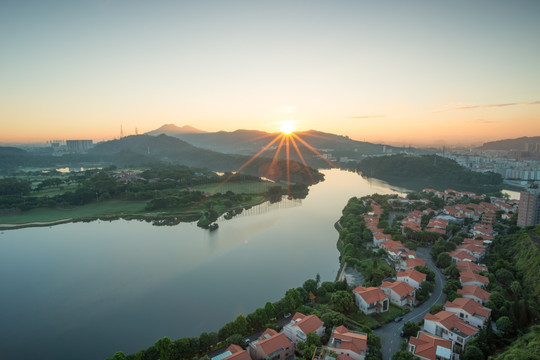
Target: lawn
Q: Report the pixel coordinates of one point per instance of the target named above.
(247, 187)
(102, 208)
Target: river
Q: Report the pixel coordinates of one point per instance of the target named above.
(86, 290)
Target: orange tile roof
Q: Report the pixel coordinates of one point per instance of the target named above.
(371, 294)
(275, 342)
(469, 305)
(413, 274)
(426, 345)
(470, 266)
(307, 324)
(474, 290)
(461, 255)
(350, 341)
(415, 262)
(468, 276)
(450, 321)
(399, 287)
(237, 353)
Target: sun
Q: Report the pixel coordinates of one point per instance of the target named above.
(286, 127)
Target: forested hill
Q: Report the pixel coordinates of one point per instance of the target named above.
(418, 172)
(511, 144)
(140, 149)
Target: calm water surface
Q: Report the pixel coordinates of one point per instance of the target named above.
(86, 290)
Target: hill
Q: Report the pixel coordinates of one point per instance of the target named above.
(511, 144)
(418, 172)
(146, 149)
(171, 129)
(249, 142)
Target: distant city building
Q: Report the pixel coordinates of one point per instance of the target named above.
(79, 146)
(529, 207)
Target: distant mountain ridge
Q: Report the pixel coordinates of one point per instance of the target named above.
(511, 144)
(249, 142)
(171, 129)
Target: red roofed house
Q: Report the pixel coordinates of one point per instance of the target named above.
(429, 347)
(470, 266)
(348, 343)
(399, 292)
(469, 311)
(379, 238)
(474, 292)
(461, 256)
(271, 345)
(478, 252)
(233, 352)
(301, 325)
(470, 278)
(371, 300)
(412, 277)
(412, 263)
(447, 325)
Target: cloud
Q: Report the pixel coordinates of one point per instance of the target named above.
(366, 116)
(492, 106)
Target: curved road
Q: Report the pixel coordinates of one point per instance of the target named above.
(389, 333)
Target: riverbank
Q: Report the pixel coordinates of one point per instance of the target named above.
(108, 211)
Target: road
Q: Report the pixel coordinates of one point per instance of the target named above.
(389, 333)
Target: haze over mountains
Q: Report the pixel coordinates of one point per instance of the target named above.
(249, 142)
(511, 144)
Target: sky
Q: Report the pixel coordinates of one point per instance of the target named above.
(395, 72)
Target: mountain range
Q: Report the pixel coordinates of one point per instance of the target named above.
(512, 144)
(249, 142)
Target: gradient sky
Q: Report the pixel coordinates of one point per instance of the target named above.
(396, 72)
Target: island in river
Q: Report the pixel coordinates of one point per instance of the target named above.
(162, 194)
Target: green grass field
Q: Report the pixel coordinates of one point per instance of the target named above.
(248, 187)
(104, 208)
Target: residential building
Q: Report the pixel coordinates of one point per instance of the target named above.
(471, 278)
(412, 277)
(371, 300)
(529, 207)
(301, 325)
(233, 352)
(348, 343)
(400, 293)
(470, 266)
(430, 347)
(469, 311)
(457, 256)
(447, 325)
(271, 345)
(412, 263)
(474, 292)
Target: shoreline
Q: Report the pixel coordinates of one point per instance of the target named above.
(156, 219)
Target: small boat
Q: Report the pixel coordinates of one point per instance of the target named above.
(213, 226)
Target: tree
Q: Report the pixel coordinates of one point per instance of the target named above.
(293, 299)
(163, 345)
(452, 271)
(430, 275)
(443, 260)
(313, 339)
(311, 285)
(236, 339)
(504, 325)
(269, 310)
(435, 309)
(403, 354)
(119, 356)
(473, 353)
(342, 301)
(410, 328)
(451, 285)
(504, 276)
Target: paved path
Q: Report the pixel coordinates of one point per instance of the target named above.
(389, 333)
